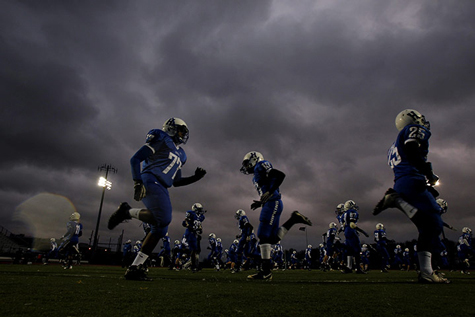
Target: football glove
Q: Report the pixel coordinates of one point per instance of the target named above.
(139, 190)
(200, 172)
(256, 204)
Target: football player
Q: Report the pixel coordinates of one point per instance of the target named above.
(213, 254)
(413, 191)
(162, 158)
(244, 236)
(232, 255)
(165, 252)
(330, 253)
(397, 261)
(352, 240)
(194, 228)
(53, 252)
(365, 254)
(308, 257)
(294, 261)
(464, 249)
(127, 255)
(278, 257)
(381, 243)
(267, 180)
(71, 240)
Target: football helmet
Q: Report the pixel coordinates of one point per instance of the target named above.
(410, 116)
(309, 246)
(406, 249)
(197, 208)
(52, 240)
(398, 246)
(177, 241)
(75, 216)
(218, 239)
(249, 162)
(379, 226)
(350, 204)
(239, 214)
(212, 235)
(364, 246)
(128, 241)
(138, 242)
(177, 129)
(466, 230)
(236, 241)
(321, 245)
(443, 205)
(339, 209)
(332, 225)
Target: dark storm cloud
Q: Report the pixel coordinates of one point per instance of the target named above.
(314, 86)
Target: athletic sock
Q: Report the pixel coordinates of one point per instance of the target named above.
(425, 263)
(140, 258)
(134, 212)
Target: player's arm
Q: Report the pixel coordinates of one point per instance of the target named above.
(276, 178)
(139, 156)
(183, 181)
(418, 160)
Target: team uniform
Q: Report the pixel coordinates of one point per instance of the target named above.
(412, 192)
(244, 236)
(213, 255)
(294, 261)
(278, 257)
(464, 249)
(365, 257)
(381, 246)
(397, 261)
(267, 180)
(308, 257)
(165, 252)
(53, 252)
(352, 240)
(330, 250)
(155, 167)
(193, 224)
(127, 255)
(70, 244)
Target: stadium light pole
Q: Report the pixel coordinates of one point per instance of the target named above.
(105, 184)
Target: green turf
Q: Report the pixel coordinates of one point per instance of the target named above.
(36, 290)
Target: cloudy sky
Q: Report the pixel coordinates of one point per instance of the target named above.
(313, 85)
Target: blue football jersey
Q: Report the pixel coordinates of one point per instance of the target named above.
(380, 236)
(262, 182)
(397, 156)
(166, 159)
(245, 230)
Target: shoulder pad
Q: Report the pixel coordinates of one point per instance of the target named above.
(153, 135)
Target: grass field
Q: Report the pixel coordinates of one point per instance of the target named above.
(88, 290)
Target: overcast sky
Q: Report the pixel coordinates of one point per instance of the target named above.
(314, 86)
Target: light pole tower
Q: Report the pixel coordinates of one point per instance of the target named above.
(105, 184)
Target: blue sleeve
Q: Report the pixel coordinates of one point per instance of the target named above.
(144, 152)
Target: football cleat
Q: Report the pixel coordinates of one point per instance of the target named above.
(346, 270)
(136, 273)
(119, 216)
(432, 278)
(297, 217)
(260, 276)
(388, 201)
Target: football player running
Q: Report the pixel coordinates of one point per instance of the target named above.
(381, 243)
(267, 180)
(70, 244)
(162, 158)
(413, 192)
(352, 240)
(244, 236)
